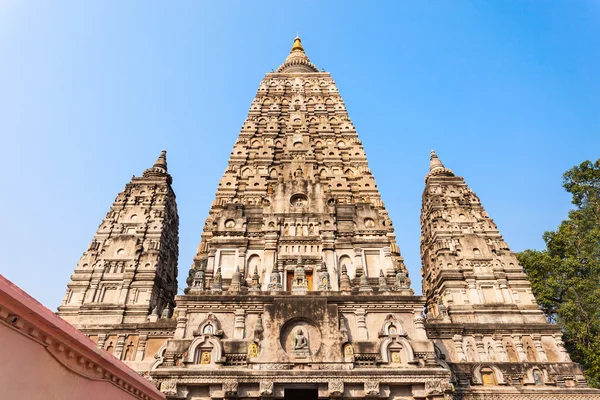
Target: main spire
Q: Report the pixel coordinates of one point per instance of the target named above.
(297, 45)
(297, 60)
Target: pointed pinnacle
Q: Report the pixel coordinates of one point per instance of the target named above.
(297, 45)
(161, 162)
(434, 161)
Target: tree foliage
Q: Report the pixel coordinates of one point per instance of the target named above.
(565, 277)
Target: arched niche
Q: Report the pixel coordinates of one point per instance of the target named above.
(205, 350)
(159, 358)
(396, 351)
(210, 326)
(487, 375)
(391, 326)
(536, 376)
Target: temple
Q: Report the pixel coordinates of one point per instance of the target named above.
(298, 289)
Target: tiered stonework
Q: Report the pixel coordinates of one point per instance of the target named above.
(131, 265)
(481, 314)
(298, 288)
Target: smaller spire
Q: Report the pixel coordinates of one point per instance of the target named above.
(297, 45)
(434, 161)
(159, 168)
(161, 162)
(436, 167)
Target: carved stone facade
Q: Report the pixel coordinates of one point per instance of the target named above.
(129, 272)
(298, 283)
(481, 313)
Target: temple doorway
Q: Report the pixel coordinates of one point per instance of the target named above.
(301, 394)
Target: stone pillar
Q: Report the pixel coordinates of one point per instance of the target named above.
(483, 356)
(90, 295)
(239, 324)
(181, 324)
(141, 349)
(119, 347)
(458, 348)
(473, 293)
(421, 333)
(561, 347)
(358, 261)
(499, 294)
(242, 265)
(210, 265)
(537, 342)
(505, 292)
(101, 340)
(330, 261)
(500, 351)
(124, 291)
(269, 259)
(361, 322)
(519, 347)
(281, 272)
(388, 264)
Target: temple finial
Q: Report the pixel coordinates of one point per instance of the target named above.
(161, 162)
(434, 161)
(297, 45)
(436, 167)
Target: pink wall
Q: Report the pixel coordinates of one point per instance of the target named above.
(43, 357)
(29, 371)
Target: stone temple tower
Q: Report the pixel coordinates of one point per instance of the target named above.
(481, 313)
(129, 272)
(298, 189)
(298, 289)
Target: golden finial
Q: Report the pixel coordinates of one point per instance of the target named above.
(297, 45)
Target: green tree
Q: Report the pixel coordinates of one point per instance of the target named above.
(565, 277)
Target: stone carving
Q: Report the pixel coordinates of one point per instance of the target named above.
(169, 388)
(324, 283)
(364, 283)
(348, 350)
(199, 281)
(209, 326)
(230, 388)
(383, 286)
(236, 281)
(275, 280)
(217, 282)
(299, 283)
(345, 285)
(255, 286)
(300, 341)
(252, 350)
(205, 359)
(371, 388)
(433, 386)
(300, 344)
(265, 388)
(335, 388)
(537, 377)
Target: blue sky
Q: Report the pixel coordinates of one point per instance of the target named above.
(506, 92)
